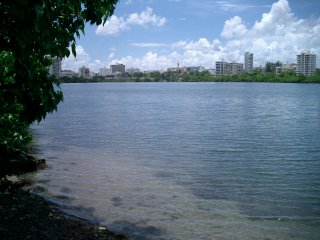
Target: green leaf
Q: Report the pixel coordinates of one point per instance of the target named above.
(32, 33)
(73, 47)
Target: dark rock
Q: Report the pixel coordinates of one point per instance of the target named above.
(27, 216)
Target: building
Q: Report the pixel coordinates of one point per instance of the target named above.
(84, 72)
(133, 70)
(55, 68)
(259, 69)
(221, 68)
(248, 62)
(68, 73)
(236, 68)
(211, 71)
(306, 64)
(224, 68)
(195, 69)
(104, 72)
(177, 70)
(118, 68)
(292, 67)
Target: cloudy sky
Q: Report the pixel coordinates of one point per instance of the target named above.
(156, 34)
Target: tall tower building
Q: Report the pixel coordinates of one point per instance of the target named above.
(248, 62)
(55, 68)
(306, 63)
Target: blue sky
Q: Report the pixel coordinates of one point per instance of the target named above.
(156, 34)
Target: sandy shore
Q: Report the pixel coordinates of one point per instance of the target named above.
(27, 216)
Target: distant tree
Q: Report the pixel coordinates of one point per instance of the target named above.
(32, 33)
(271, 67)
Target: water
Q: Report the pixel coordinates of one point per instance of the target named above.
(187, 160)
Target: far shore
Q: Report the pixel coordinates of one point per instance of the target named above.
(203, 77)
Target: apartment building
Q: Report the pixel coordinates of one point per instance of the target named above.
(118, 68)
(248, 62)
(306, 64)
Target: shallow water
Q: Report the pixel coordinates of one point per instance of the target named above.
(187, 160)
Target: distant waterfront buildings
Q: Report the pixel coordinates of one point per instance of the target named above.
(84, 72)
(221, 68)
(224, 68)
(236, 68)
(195, 69)
(68, 73)
(133, 70)
(55, 68)
(292, 67)
(211, 71)
(118, 68)
(248, 62)
(175, 69)
(104, 71)
(259, 69)
(306, 64)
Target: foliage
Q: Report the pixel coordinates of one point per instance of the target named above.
(32, 33)
(271, 67)
(156, 76)
(12, 131)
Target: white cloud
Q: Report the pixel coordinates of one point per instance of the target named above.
(111, 55)
(82, 59)
(128, 2)
(229, 6)
(149, 45)
(118, 24)
(206, 7)
(233, 28)
(198, 53)
(278, 35)
(150, 61)
(112, 26)
(146, 17)
(277, 19)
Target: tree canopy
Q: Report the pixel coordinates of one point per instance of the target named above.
(271, 67)
(32, 33)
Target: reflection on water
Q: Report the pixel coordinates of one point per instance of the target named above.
(187, 161)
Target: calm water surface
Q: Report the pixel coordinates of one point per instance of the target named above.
(187, 160)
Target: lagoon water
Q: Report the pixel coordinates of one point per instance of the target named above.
(186, 161)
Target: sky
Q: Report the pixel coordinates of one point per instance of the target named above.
(157, 34)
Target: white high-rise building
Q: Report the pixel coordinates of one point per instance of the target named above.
(248, 62)
(306, 63)
(55, 68)
(221, 68)
(224, 68)
(104, 72)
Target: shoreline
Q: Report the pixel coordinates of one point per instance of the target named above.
(28, 216)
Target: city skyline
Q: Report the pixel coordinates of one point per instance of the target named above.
(152, 36)
(305, 65)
